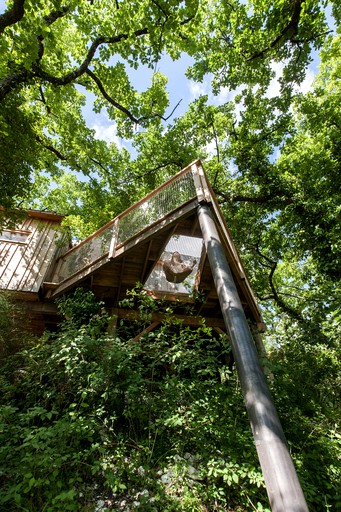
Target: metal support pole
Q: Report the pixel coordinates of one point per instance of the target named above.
(282, 484)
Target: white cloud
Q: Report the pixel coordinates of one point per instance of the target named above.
(197, 89)
(274, 86)
(107, 132)
(225, 95)
(211, 148)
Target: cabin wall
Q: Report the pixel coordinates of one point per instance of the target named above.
(27, 253)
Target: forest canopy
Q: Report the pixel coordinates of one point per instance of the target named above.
(270, 144)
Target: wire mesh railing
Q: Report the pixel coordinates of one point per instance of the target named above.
(84, 254)
(155, 206)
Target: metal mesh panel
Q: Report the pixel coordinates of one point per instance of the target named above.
(85, 254)
(169, 198)
(190, 250)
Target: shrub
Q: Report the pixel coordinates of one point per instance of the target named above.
(92, 421)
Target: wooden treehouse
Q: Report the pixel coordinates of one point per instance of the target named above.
(174, 241)
(140, 245)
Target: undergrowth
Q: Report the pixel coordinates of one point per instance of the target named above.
(92, 421)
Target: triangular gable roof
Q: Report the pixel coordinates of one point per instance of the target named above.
(124, 251)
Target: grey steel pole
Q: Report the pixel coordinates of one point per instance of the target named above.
(282, 484)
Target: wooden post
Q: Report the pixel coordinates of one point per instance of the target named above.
(282, 484)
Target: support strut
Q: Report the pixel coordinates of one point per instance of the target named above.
(282, 484)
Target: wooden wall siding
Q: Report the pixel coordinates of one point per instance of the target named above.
(23, 266)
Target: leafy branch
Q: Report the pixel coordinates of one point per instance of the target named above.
(287, 33)
(23, 75)
(261, 199)
(109, 98)
(51, 148)
(82, 69)
(62, 157)
(13, 15)
(49, 20)
(120, 107)
(267, 262)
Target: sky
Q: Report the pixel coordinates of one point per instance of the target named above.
(180, 89)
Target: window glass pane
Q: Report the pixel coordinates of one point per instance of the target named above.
(14, 236)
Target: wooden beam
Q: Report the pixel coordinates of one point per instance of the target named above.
(78, 277)
(120, 279)
(40, 307)
(146, 260)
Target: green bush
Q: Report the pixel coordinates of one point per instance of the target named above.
(14, 326)
(92, 421)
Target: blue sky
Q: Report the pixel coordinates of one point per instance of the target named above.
(179, 89)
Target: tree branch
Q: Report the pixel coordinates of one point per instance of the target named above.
(215, 135)
(121, 107)
(13, 15)
(288, 33)
(178, 164)
(53, 150)
(23, 75)
(20, 76)
(76, 73)
(49, 20)
(312, 38)
(110, 99)
(55, 15)
(58, 154)
(96, 162)
(43, 99)
(166, 15)
(275, 294)
(267, 198)
(170, 115)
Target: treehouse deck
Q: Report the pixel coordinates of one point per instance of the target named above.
(138, 246)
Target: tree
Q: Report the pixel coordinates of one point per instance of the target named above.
(156, 423)
(51, 52)
(273, 159)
